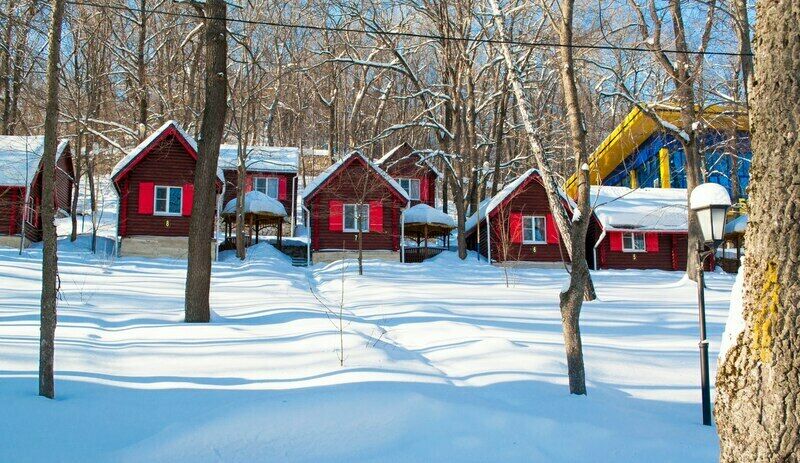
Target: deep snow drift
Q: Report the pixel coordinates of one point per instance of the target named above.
(443, 362)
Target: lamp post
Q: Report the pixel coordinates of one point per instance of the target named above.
(710, 202)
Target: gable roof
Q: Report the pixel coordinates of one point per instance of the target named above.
(328, 173)
(282, 159)
(21, 159)
(619, 208)
(142, 149)
(386, 157)
(490, 204)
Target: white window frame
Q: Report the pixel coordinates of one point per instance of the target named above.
(168, 188)
(533, 219)
(365, 223)
(267, 181)
(408, 190)
(632, 247)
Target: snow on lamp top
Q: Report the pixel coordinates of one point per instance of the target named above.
(709, 194)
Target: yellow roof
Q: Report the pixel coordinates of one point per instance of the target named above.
(636, 128)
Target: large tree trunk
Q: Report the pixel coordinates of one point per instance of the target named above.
(201, 223)
(50, 252)
(758, 382)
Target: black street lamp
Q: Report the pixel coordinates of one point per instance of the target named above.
(710, 202)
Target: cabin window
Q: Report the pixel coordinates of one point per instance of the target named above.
(355, 215)
(266, 185)
(411, 185)
(169, 200)
(533, 230)
(633, 242)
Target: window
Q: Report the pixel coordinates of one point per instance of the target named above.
(266, 185)
(633, 242)
(169, 200)
(411, 185)
(352, 217)
(533, 230)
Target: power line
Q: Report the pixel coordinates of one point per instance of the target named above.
(312, 27)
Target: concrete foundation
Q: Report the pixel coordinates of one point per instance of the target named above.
(11, 241)
(327, 257)
(158, 246)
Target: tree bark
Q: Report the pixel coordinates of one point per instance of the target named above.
(201, 223)
(241, 184)
(78, 164)
(758, 381)
(50, 251)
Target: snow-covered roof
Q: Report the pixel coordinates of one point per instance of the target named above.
(20, 158)
(256, 202)
(320, 179)
(737, 225)
(135, 152)
(489, 204)
(622, 208)
(708, 194)
(424, 214)
(380, 162)
(261, 158)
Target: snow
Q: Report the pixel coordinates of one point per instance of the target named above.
(709, 194)
(20, 158)
(442, 363)
(424, 214)
(133, 153)
(261, 158)
(320, 179)
(648, 209)
(735, 323)
(737, 225)
(256, 202)
(489, 204)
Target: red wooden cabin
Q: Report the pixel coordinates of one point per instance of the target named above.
(644, 228)
(21, 187)
(412, 171)
(521, 223)
(155, 184)
(354, 193)
(269, 169)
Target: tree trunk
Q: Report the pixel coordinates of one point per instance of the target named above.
(141, 69)
(78, 164)
(50, 251)
(572, 299)
(758, 382)
(241, 184)
(201, 223)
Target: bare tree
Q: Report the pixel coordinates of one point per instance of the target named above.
(201, 224)
(50, 251)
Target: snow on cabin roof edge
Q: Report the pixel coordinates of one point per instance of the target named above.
(320, 179)
(619, 208)
(285, 159)
(136, 151)
(422, 158)
(21, 158)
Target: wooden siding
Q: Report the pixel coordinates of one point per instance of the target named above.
(11, 199)
(671, 254)
(291, 191)
(64, 183)
(167, 164)
(342, 188)
(400, 165)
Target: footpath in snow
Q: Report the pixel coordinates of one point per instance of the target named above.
(442, 362)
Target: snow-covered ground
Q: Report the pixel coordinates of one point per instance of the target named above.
(443, 362)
